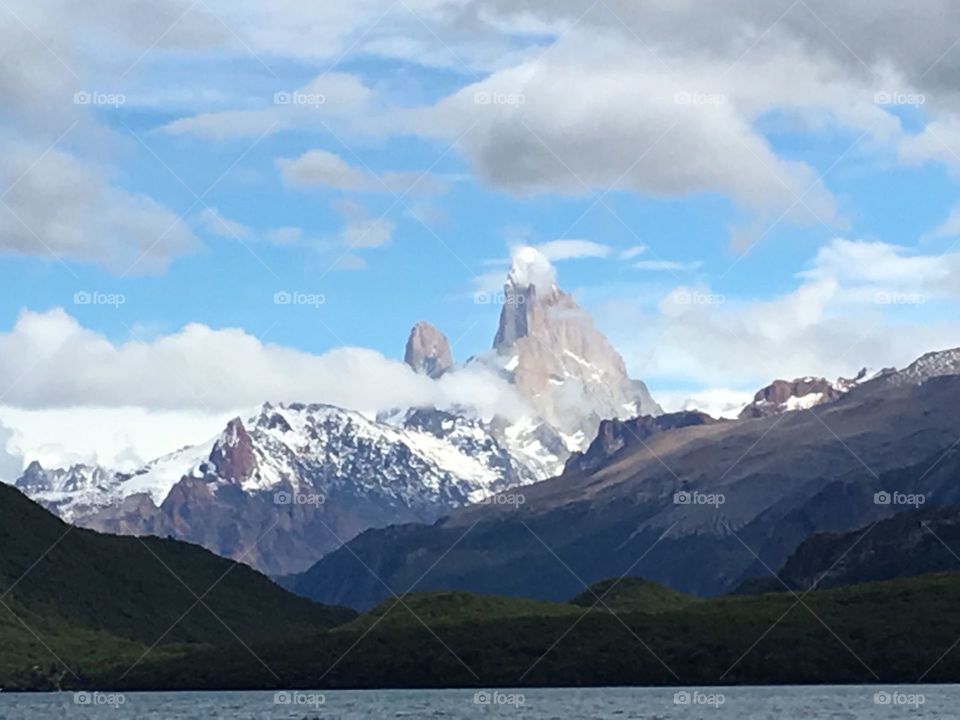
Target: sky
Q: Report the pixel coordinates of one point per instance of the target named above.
(205, 205)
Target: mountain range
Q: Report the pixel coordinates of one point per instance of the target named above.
(684, 500)
(591, 480)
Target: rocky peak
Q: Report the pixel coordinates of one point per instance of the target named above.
(614, 435)
(555, 355)
(232, 453)
(34, 478)
(428, 350)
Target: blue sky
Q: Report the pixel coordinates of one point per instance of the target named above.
(783, 160)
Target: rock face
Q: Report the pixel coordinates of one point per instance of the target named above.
(428, 350)
(557, 359)
(615, 435)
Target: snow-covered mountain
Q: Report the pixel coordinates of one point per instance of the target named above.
(312, 475)
(283, 487)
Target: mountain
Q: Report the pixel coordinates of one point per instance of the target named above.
(698, 507)
(293, 482)
(89, 598)
(803, 393)
(905, 545)
(428, 350)
(552, 352)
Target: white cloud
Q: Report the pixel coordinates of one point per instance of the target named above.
(860, 304)
(666, 265)
(58, 206)
(321, 168)
(556, 250)
(631, 252)
(214, 221)
(328, 96)
(950, 227)
(62, 365)
(11, 461)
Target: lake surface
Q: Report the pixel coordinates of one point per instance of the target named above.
(828, 703)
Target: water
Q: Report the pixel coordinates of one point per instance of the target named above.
(819, 703)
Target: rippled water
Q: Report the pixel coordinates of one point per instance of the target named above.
(827, 703)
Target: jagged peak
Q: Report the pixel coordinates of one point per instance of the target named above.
(428, 350)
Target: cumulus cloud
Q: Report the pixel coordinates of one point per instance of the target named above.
(63, 364)
(858, 304)
(58, 206)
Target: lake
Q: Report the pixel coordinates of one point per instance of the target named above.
(765, 703)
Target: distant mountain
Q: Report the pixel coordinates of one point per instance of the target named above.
(905, 545)
(292, 483)
(803, 393)
(698, 507)
(89, 598)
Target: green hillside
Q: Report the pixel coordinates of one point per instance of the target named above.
(624, 595)
(90, 599)
(884, 632)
